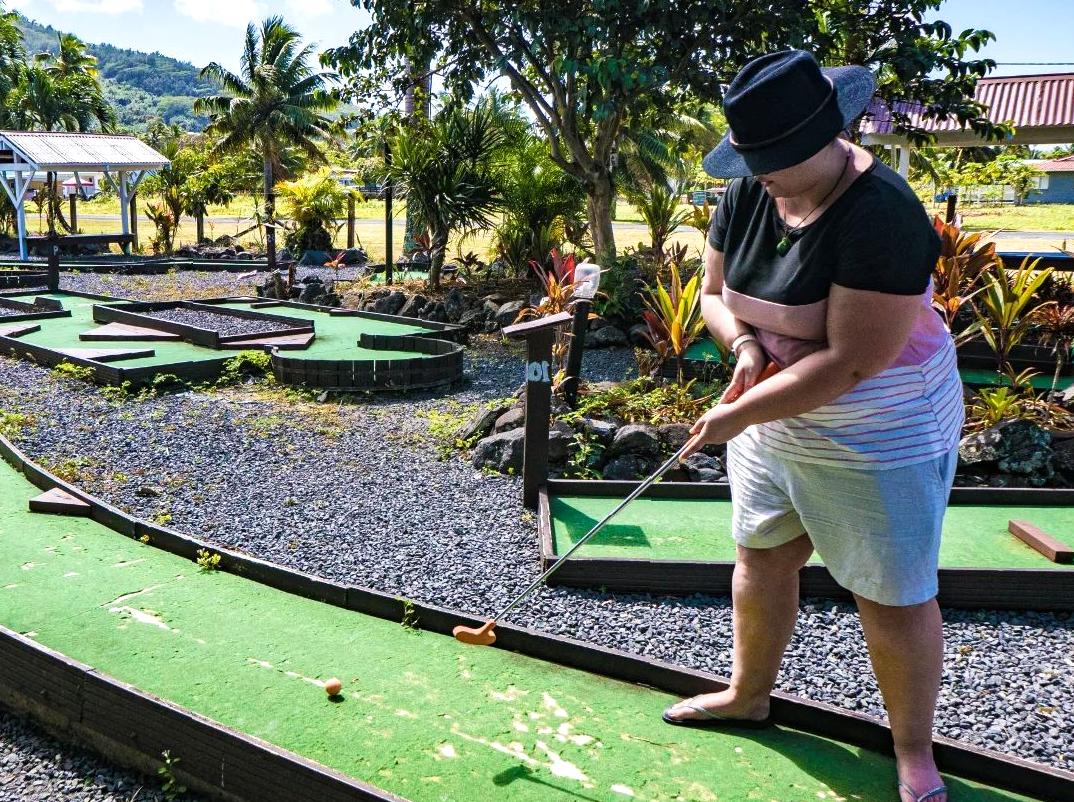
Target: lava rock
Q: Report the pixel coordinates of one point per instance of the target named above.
(703, 468)
(637, 439)
(628, 466)
(502, 452)
(511, 419)
(454, 304)
(673, 436)
(602, 431)
(606, 337)
(559, 445)
(638, 336)
(390, 304)
(481, 423)
(508, 313)
(473, 319)
(1015, 447)
(1063, 456)
(414, 305)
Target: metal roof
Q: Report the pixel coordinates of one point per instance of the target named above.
(66, 151)
(1063, 165)
(1036, 104)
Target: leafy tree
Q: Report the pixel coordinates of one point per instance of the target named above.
(314, 202)
(587, 70)
(277, 101)
(443, 170)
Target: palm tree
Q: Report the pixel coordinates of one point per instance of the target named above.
(276, 101)
(443, 169)
(72, 58)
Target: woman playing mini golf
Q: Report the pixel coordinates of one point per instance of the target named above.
(819, 259)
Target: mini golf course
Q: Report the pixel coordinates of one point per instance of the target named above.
(226, 673)
(329, 349)
(673, 543)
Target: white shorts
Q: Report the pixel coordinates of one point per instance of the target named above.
(877, 531)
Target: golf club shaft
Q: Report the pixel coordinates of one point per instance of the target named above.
(641, 488)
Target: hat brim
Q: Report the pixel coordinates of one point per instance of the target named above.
(854, 88)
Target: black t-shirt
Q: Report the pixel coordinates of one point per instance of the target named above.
(875, 236)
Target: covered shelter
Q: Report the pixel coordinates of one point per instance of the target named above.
(1040, 107)
(123, 160)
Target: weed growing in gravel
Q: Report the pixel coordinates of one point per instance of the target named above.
(12, 423)
(170, 786)
(245, 364)
(163, 518)
(443, 425)
(208, 562)
(75, 470)
(144, 540)
(69, 370)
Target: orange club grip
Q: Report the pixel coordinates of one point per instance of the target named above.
(733, 394)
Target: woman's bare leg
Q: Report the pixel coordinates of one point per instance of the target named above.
(764, 592)
(906, 648)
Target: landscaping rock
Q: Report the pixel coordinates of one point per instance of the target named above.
(436, 313)
(1012, 447)
(473, 319)
(501, 452)
(508, 312)
(628, 466)
(559, 445)
(601, 430)
(414, 305)
(511, 419)
(637, 336)
(1063, 456)
(637, 439)
(606, 337)
(454, 305)
(390, 304)
(703, 468)
(481, 423)
(673, 436)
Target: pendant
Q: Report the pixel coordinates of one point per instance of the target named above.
(783, 246)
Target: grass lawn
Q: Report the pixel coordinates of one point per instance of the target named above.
(1030, 217)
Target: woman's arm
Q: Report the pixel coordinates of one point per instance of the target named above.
(725, 327)
(866, 332)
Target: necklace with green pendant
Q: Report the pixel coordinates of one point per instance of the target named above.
(783, 247)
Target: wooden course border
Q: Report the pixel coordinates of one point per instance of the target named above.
(973, 588)
(132, 727)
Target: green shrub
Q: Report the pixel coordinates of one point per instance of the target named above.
(644, 400)
(245, 364)
(69, 370)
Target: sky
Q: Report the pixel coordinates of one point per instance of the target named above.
(201, 31)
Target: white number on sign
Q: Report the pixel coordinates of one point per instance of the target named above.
(538, 372)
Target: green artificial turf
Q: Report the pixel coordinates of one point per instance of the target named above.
(422, 715)
(699, 530)
(337, 336)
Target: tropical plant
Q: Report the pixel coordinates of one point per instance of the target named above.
(314, 203)
(444, 172)
(274, 102)
(956, 277)
(673, 316)
(992, 405)
(1054, 326)
(659, 208)
(557, 281)
(700, 217)
(1003, 308)
(165, 223)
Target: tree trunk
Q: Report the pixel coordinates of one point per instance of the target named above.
(417, 108)
(599, 206)
(436, 257)
(199, 220)
(270, 218)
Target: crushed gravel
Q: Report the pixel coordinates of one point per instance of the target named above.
(34, 767)
(357, 492)
(7, 311)
(225, 325)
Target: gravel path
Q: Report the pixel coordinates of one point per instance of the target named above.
(7, 311)
(34, 767)
(185, 284)
(225, 325)
(356, 492)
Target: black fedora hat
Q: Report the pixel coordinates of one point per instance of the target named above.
(783, 108)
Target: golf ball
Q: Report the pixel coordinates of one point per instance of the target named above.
(333, 686)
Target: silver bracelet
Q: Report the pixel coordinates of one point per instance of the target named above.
(741, 340)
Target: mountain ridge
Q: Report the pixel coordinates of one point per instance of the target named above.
(139, 85)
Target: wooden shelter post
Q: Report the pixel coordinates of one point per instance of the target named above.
(539, 335)
(124, 202)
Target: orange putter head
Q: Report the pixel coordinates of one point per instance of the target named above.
(479, 636)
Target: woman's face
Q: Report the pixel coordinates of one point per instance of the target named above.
(801, 178)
